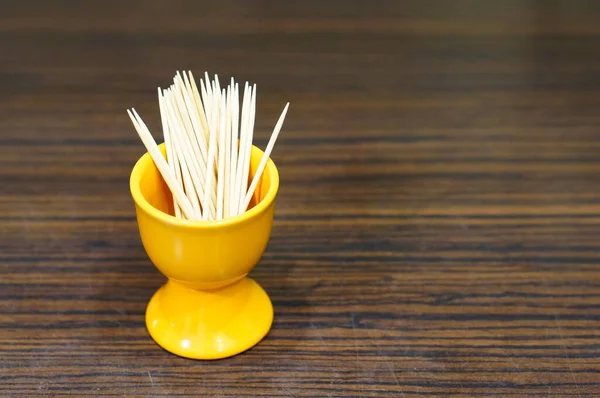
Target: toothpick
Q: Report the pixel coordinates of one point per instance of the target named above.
(207, 95)
(242, 146)
(248, 151)
(227, 153)
(200, 108)
(265, 157)
(160, 163)
(212, 149)
(221, 157)
(171, 158)
(217, 87)
(235, 114)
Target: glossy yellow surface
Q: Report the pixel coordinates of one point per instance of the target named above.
(209, 308)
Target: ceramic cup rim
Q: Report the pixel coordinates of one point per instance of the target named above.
(146, 161)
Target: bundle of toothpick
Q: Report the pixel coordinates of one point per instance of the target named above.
(208, 142)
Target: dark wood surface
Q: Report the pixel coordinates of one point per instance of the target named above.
(438, 223)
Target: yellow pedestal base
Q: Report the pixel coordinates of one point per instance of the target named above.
(209, 324)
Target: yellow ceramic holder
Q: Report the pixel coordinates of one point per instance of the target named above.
(208, 308)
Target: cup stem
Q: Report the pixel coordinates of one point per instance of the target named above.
(209, 323)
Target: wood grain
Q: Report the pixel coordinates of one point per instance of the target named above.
(438, 220)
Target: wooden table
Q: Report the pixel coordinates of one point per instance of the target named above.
(438, 222)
